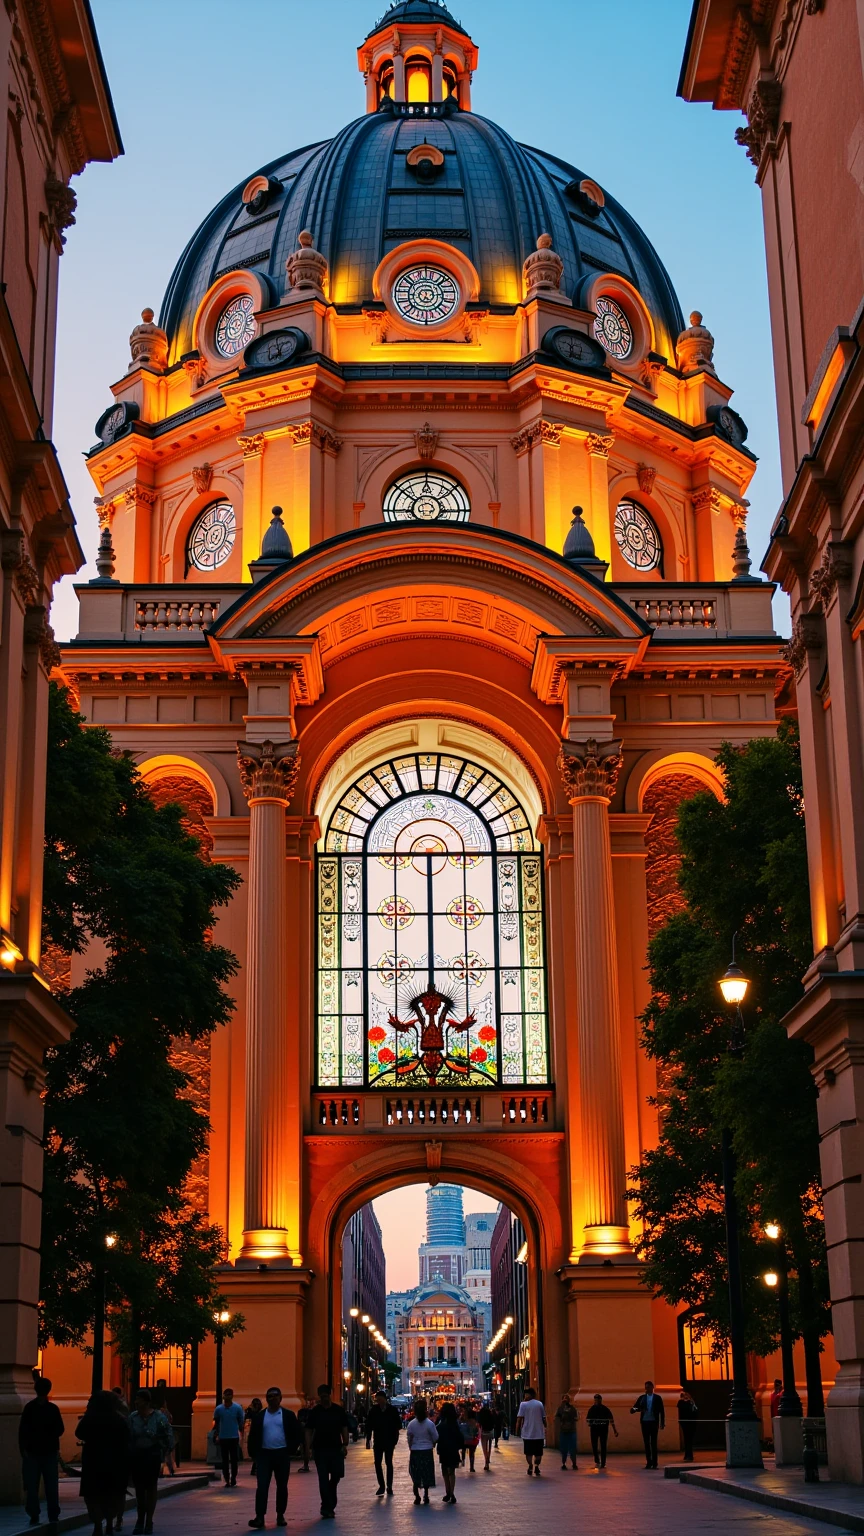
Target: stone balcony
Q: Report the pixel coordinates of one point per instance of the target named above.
(489, 1111)
(706, 610)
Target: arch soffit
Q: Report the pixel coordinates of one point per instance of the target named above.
(191, 765)
(653, 766)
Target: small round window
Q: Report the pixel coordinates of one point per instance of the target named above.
(426, 295)
(612, 328)
(212, 538)
(636, 537)
(235, 327)
(424, 497)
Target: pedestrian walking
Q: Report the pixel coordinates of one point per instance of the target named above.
(422, 1437)
(531, 1426)
(273, 1435)
(687, 1415)
(39, 1431)
(486, 1421)
(775, 1398)
(470, 1432)
(499, 1425)
(228, 1422)
(303, 1419)
(451, 1448)
(151, 1439)
(383, 1428)
(255, 1406)
(159, 1398)
(652, 1418)
(567, 1418)
(104, 1436)
(600, 1420)
(327, 1438)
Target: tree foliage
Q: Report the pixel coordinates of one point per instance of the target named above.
(743, 868)
(124, 883)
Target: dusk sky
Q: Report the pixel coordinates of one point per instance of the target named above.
(402, 1214)
(207, 91)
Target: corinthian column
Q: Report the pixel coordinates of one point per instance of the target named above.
(590, 772)
(269, 772)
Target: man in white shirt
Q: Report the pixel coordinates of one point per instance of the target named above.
(531, 1425)
(273, 1435)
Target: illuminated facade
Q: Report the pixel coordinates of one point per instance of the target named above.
(456, 701)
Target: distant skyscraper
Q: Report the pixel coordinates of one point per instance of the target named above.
(445, 1223)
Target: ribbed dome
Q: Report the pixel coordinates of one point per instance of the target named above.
(359, 198)
(416, 10)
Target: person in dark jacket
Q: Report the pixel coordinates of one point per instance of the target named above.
(273, 1435)
(104, 1434)
(327, 1438)
(449, 1448)
(687, 1415)
(39, 1431)
(383, 1428)
(652, 1418)
(600, 1420)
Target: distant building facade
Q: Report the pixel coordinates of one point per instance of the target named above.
(364, 1291)
(508, 1367)
(440, 1342)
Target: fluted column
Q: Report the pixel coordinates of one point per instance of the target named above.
(590, 772)
(269, 772)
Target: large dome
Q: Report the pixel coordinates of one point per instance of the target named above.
(358, 196)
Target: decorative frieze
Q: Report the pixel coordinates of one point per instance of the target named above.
(590, 768)
(268, 769)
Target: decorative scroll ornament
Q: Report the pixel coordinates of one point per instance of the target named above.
(427, 441)
(62, 202)
(694, 349)
(590, 768)
(542, 270)
(268, 769)
(195, 368)
(806, 637)
(307, 268)
(763, 115)
(823, 581)
(148, 345)
(202, 477)
(646, 475)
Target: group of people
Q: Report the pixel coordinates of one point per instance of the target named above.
(119, 1447)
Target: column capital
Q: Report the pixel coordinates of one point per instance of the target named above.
(600, 444)
(268, 769)
(589, 768)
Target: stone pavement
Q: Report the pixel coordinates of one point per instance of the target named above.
(839, 1504)
(73, 1513)
(625, 1501)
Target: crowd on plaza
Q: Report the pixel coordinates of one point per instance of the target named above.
(122, 1446)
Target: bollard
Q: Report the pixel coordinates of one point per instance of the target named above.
(810, 1455)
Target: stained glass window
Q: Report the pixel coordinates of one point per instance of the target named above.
(235, 327)
(612, 328)
(425, 295)
(212, 538)
(426, 497)
(636, 536)
(430, 932)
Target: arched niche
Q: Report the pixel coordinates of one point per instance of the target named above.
(224, 486)
(159, 767)
(624, 486)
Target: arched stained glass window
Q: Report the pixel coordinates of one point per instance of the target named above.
(430, 932)
(426, 496)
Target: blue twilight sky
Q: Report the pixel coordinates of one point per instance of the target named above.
(206, 91)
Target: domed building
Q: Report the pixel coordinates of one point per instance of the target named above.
(423, 578)
(440, 1341)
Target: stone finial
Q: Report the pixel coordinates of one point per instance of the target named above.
(148, 345)
(579, 544)
(741, 555)
(541, 271)
(306, 268)
(105, 559)
(276, 545)
(694, 349)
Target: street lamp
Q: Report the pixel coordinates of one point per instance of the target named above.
(97, 1373)
(790, 1403)
(742, 1424)
(220, 1319)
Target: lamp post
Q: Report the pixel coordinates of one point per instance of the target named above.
(97, 1373)
(790, 1403)
(220, 1319)
(742, 1425)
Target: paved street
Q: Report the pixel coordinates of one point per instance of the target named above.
(625, 1501)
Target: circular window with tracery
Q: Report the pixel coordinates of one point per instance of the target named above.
(636, 537)
(612, 328)
(212, 538)
(425, 295)
(426, 497)
(235, 327)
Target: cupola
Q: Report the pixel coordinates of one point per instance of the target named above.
(418, 61)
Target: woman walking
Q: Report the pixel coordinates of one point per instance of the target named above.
(422, 1438)
(151, 1439)
(470, 1431)
(450, 1444)
(104, 1435)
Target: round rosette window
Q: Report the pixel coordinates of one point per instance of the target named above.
(425, 295)
(235, 327)
(612, 328)
(424, 497)
(637, 537)
(212, 538)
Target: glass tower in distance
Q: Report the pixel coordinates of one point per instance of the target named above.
(445, 1221)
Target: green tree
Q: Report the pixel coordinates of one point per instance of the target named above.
(125, 883)
(743, 868)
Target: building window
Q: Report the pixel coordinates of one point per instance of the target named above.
(426, 295)
(211, 539)
(612, 329)
(235, 327)
(430, 932)
(426, 497)
(637, 537)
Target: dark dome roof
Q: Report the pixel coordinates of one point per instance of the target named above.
(416, 10)
(358, 197)
(437, 1287)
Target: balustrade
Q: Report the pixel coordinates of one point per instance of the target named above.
(487, 1112)
(175, 615)
(677, 612)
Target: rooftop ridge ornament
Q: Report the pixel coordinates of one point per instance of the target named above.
(694, 349)
(148, 344)
(542, 271)
(306, 269)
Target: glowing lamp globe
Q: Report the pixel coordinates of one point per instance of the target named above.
(734, 984)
